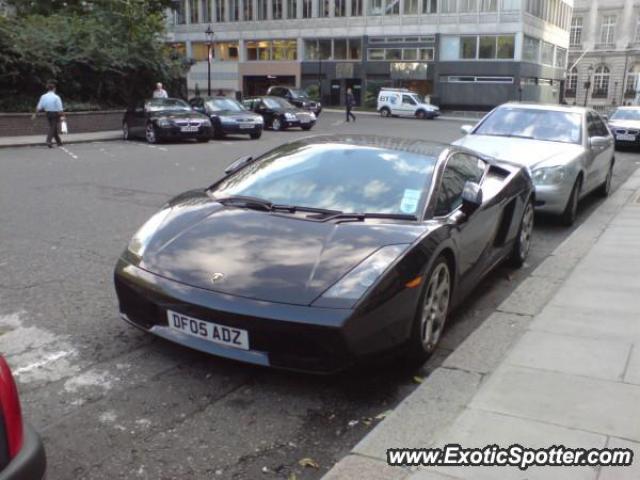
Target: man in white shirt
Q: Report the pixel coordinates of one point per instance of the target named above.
(51, 104)
(160, 92)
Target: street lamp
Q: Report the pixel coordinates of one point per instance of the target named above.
(587, 84)
(209, 33)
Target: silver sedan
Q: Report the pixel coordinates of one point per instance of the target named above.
(569, 151)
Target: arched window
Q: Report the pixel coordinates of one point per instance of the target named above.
(632, 82)
(572, 83)
(601, 82)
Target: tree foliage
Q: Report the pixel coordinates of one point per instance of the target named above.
(110, 53)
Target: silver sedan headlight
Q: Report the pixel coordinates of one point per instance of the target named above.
(549, 175)
(258, 119)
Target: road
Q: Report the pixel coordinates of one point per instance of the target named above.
(114, 403)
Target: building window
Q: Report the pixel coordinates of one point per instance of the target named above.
(607, 29)
(447, 6)
(199, 51)
(325, 8)
(356, 8)
(601, 82)
(292, 8)
(410, 7)
(488, 5)
(637, 35)
(262, 7)
(193, 11)
(468, 6)
(248, 10)
(307, 8)
(572, 83)
(234, 10)
(474, 79)
(575, 35)
(468, 47)
(179, 17)
(561, 58)
(429, 6)
(355, 49)
(392, 7)
(547, 53)
(374, 54)
(284, 50)
(258, 50)
(632, 86)
(375, 7)
(340, 8)
(426, 54)
(276, 9)
(205, 5)
(220, 17)
(340, 49)
(487, 47)
(510, 5)
(531, 49)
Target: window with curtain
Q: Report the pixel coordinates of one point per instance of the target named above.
(429, 6)
(601, 81)
(632, 83)
(234, 10)
(531, 49)
(356, 8)
(575, 33)
(325, 8)
(307, 8)
(292, 8)
(572, 83)
(410, 7)
(248, 10)
(276, 9)
(607, 29)
(205, 5)
(220, 13)
(193, 11)
(262, 7)
(340, 8)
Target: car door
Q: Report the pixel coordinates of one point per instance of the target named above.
(472, 234)
(138, 119)
(266, 112)
(407, 106)
(596, 156)
(198, 104)
(603, 158)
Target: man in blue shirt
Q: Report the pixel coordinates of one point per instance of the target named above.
(51, 104)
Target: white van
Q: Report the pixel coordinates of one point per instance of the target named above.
(404, 103)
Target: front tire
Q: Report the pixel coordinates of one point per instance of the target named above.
(431, 315)
(571, 210)
(125, 131)
(421, 115)
(385, 112)
(203, 140)
(150, 133)
(605, 188)
(522, 244)
(277, 124)
(255, 136)
(307, 127)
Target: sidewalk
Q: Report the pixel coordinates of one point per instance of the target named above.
(29, 140)
(557, 364)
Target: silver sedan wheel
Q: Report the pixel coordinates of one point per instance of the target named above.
(150, 133)
(436, 306)
(525, 231)
(277, 125)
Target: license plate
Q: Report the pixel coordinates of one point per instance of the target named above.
(626, 137)
(213, 332)
(188, 129)
(246, 126)
(305, 120)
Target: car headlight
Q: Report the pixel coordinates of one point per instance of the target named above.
(259, 120)
(206, 123)
(139, 242)
(355, 283)
(227, 120)
(290, 116)
(163, 122)
(549, 175)
(318, 105)
(312, 115)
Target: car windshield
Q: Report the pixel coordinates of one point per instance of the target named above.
(275, 102)
(336, 176)
(626, 114)
(533, 123)
(418, 98)
(157, 104)
(297, 93)
(225, 105)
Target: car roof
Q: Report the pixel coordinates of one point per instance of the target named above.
(546, 106)
(421, 147)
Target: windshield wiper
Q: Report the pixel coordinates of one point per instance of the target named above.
(359, 217)
(255, 203)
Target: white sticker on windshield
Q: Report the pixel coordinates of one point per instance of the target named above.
(410, 200)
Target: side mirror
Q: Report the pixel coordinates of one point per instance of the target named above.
(471, 197)
(466, 129)
(598, 142)
(198, 109)
(238, 164)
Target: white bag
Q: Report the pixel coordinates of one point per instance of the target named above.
(63, 127)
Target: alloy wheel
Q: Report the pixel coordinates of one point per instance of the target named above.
(125, 131)
(277, 125)
(150, 133)
(526, 229)
(436, 306)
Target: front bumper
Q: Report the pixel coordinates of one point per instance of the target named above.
(31, 461)
(174, 133)
(241, 128)
(294, 337)
(553, 198)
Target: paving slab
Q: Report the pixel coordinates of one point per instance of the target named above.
(356, 467)
(418, 419)
(597, 358)
(631, 472)
(483, 351)
(611, 301)
(477, 428)
(632, 374)
(530, 296)
(556, 267)
(595, 405)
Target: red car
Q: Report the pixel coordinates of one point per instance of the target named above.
(22, 454)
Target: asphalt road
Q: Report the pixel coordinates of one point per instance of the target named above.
(114, 403)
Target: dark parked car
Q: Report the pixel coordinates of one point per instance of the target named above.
(22, 455)
(297, 97)
(624, 124)
(326, 250)
(227, 115)
(161, 119)
(279, 114)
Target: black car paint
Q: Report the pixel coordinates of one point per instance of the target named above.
(294, 333)
(288, 93)
(137, 118)
(220, 129)
(271, 113)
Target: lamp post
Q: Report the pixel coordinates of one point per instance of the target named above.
(209, 33)
(587, 84)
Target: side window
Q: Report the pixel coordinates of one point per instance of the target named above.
(592, 126)
(460, 168)
(601, 126)
(407, 99)
(276, 92)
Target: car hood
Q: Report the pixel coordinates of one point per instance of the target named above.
(174, 115)
(261, 255)
(521, 151)
(635, 124)
(235, 115)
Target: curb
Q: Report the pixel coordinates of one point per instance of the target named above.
(454, 118)
(99, 137)
(419, 420)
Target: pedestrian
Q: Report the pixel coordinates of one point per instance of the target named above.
(51, 104)
(350, 102)
(160, 92)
